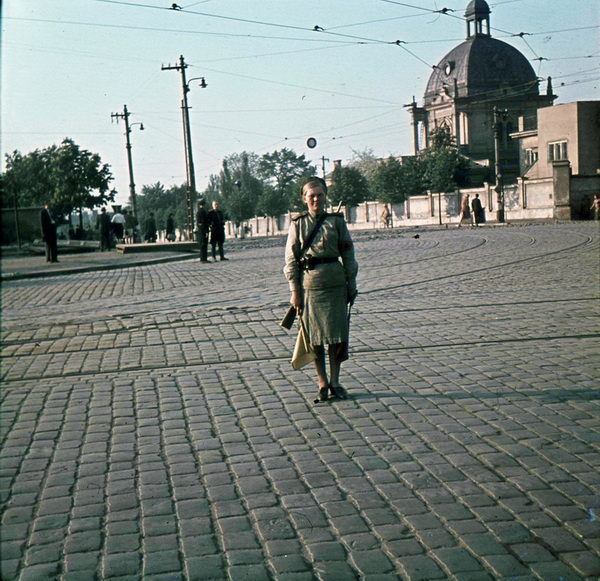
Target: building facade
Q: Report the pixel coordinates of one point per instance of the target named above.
(478, 91)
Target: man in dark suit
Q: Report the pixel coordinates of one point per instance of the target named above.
(49, 224)
(203, 225)
(104, 226)
(217, 231)
(477, 210)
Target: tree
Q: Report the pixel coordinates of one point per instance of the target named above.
(282, 170)
(396, 179)
(367, 163)
(156, 199)
(240, 188)
(26, 179)
(444, 168)
(67, 177)
(349, 187)
(272, 204)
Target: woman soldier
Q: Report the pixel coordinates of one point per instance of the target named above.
(322, 286)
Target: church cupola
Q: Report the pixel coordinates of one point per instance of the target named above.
(478, 18)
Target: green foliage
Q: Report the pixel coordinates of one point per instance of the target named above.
(155, 198)
(272, 203)
(444, 168)
(441, 137)
(367, 163)
(395, 180)
(281, 171)
(240, 188)
(67, 177)
(348, 187)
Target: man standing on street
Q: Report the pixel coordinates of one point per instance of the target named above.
(477, 210)
(103, 224)
(217, 231)
(203, 223)
(48, 224)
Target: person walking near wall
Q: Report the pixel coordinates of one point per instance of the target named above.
(477, 210)
(49, 224)
(595, 207)
(465, 212)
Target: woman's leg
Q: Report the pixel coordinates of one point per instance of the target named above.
(334, 364)
(320, 365)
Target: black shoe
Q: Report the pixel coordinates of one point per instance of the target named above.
(338, 391)
(224, 258)
(323, 394)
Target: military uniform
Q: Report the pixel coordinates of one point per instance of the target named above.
(326, 275)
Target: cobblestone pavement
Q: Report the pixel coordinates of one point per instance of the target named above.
(152, 427)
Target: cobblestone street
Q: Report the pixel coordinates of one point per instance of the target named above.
(152, 427)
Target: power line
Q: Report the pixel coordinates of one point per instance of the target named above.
(178, 31)
(312, 88)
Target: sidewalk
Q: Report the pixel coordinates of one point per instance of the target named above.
(24, 267)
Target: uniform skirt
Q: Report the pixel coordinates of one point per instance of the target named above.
(325, 315)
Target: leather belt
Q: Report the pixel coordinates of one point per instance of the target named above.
(310, 262)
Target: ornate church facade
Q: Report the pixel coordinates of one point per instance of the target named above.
(478, 91)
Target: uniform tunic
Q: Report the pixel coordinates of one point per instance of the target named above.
(326, 287)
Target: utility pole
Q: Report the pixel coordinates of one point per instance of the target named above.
(323, 160)
(499, 188)
(187, 136)
(125, 115)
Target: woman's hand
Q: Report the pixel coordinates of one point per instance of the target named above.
(296, 300)
(351, 296)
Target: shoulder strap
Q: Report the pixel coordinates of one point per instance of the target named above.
(311, 236)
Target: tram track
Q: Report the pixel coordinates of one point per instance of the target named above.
(194, 323)
(286, 357)
(215, 297)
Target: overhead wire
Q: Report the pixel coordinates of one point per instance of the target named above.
(323, 36)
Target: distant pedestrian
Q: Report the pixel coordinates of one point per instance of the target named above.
(49, 225)
(203, 225)
(104, 227)
(465, 212)
(217, 231)
(150, 230)
(118, 225)
(385, 217)
(170, 232)
(477, 210)
(130, 226)
(596, 206)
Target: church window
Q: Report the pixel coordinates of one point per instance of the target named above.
(557, 151)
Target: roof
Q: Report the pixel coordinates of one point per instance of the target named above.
(477, 8)
(479, 65)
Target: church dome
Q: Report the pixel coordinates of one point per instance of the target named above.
(479, 68)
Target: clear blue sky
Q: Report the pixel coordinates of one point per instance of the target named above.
(273, 81)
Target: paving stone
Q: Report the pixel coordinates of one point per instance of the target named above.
(206, 568)
(121, 564)
(166, 561)
(174, 435)
(421, 567)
